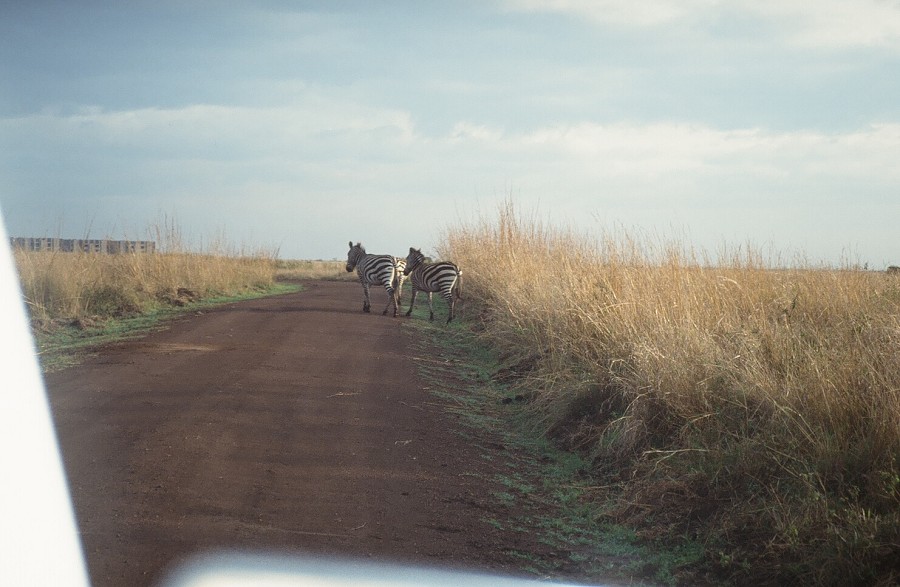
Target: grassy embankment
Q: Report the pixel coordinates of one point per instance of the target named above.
(79, 299)
(749, 408)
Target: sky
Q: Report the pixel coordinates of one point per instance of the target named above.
(298, 126)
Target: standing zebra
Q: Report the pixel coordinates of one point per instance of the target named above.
(443, 277)
(372, 270)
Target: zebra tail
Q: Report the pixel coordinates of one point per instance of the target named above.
(459, 284)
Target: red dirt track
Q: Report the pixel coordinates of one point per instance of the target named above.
(293, 424)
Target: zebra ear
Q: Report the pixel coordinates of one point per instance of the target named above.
(351, 244)
(412, 250)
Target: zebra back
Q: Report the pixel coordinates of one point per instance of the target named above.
(443, 277)
(372, 269)
(431, 277)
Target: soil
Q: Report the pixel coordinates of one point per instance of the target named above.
(294, 424)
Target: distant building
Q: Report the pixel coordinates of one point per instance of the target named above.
(70, 245)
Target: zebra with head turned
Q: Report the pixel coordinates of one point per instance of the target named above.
(374, 270)
(444, 278)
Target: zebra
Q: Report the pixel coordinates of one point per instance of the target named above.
(372, 270)
(443, 277)
(399, 266)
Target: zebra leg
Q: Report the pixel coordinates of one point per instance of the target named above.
(366, 305)
(450, 304)
(412, 302)
(456, 286)
(392, 299)
(430, 307)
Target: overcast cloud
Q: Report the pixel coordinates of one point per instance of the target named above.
(302, 125)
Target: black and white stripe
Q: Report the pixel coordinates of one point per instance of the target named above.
(399, 266)
(443, 277)
(374, 270)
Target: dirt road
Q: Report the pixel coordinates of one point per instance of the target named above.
(295, 423)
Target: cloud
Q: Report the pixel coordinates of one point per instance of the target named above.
(321, 143)
(646, 153)
(325, 166)
(615, 12)
(834, 24)
(313, 125)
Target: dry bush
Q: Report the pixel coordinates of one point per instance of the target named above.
(751, 406)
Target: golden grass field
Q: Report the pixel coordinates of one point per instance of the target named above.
(297, 269)
(77, 285)
(59, 286)
(753, 408)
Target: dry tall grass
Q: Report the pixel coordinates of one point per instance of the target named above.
(69, 286)
(754, 408)
(290, 270)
